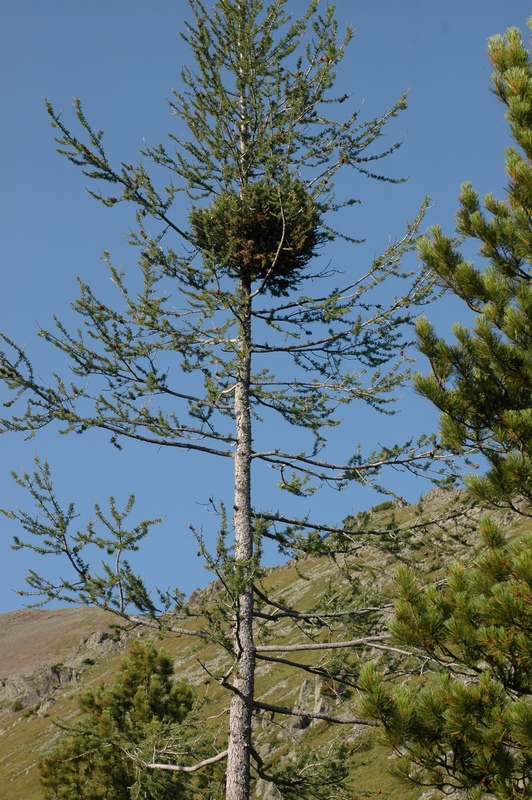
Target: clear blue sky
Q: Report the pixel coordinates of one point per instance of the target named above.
(122, 58)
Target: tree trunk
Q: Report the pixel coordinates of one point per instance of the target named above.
(240, 713)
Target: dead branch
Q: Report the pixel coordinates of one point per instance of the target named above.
(315, 615)
(313, 670)
(295, 712)
(192, 767)
(363, 641)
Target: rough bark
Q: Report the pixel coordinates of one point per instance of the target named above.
(240, 712)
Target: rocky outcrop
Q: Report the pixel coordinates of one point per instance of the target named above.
(29, 690)
(37, 689)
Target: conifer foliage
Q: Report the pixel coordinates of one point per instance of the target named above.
(468, 725)
(228, 293)
(143, 702)
(483, 383)
(466, 721)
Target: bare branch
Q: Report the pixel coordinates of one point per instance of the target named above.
(192, 768)
(362, 642)
(316, 615)
(154, 624)
(321, 671)
(296, 712)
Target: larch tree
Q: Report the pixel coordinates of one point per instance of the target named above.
(468, 726)
(226, 291)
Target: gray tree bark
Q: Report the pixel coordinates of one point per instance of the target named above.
(241, 707)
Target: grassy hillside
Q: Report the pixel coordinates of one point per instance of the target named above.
(48, 656)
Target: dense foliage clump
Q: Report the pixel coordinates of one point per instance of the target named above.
(100, 758)
(265, 233)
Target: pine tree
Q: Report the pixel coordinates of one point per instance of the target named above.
(466, 722)
(483, 383)
(224, 293)
(88, 762)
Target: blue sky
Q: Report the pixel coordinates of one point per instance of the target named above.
(122, 58)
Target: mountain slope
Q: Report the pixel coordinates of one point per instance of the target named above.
(46, 657)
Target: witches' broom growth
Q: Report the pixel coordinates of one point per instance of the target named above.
(229, 293)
